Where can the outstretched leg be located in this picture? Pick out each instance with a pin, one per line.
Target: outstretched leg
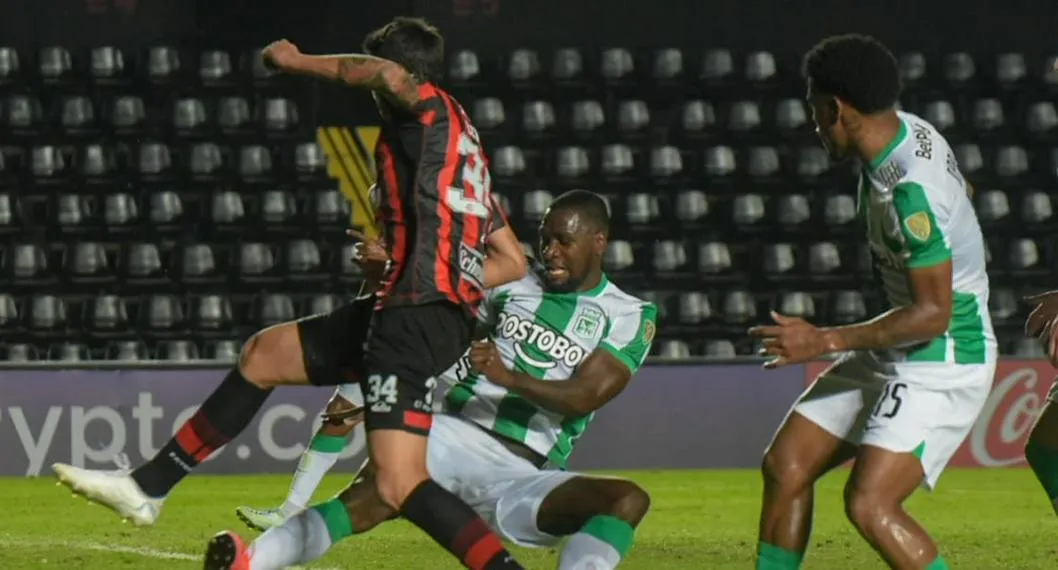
(1041, 451)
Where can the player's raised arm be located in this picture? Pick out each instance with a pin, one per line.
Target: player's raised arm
(599, 379)
(388, 78)
(504, 260)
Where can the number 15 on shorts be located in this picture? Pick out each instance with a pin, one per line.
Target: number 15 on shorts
(891, 400)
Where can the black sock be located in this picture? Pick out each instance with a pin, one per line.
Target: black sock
(456, 527)
(224, 414)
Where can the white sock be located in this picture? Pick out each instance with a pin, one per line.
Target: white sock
(317, 460)
(303, 538)
(599, 545)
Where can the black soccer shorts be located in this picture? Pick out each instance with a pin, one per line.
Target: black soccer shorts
(407, 347)
(333, 344)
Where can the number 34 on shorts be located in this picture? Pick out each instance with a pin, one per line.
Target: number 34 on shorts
(383, 394)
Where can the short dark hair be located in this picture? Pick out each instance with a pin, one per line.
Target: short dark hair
(857, 69)
(590, 205)
(413, 43)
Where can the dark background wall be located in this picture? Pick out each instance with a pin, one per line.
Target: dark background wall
(785, 27)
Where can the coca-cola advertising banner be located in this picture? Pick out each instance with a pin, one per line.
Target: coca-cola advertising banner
(695, 416)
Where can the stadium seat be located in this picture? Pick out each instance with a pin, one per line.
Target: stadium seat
(824, 258)
(206, 162)
(739, 307)
(668, 65)
(959, 68)
(1010, 68)
(848, 307)
(120, 211)
(488, 113)
(572, 162)
(9, 317)
(212, 312)
(18, 353)
(255, 261)
(215, 67)
(794, 210)
(10, 214)
(797, 304)
(717, 65)
(812, 162)
(163, 64)
(1041, 118)
(106, 65)
(309, 160)
(617, 160)
(694, 308)
(913, 67)
(255, 163)
(177, 351)
(127, 351)
(618, 256)
(198, 263)
(761, 67)
(162, 313)
(674, 349)
(273, 309)
(538, 117)
(23, 114)
(720, 161)
(992, 206)
(155, 162)
(1011, 161)
(165, 208)
(567, 65)
(143, 264)
(692, 206)
(55, 64)
(668, 256)
(127, 114)
(349, 271)
(1026, 348)
(223, 350)
(69, 352)
(233, 114)
(719, 349)
(642, 208)
(941, 114)
(320, 304)
(46, 313)
(763, 162)
(790, 115)
(330, 208)
(10, 65)
(587, 116)
(279, 115)
(988, 114)
(523, 66)
(189, 116)
(97, 164)
(744, 116)
(1036, 207)
(26, 263)
(303, 259)
(697, 117)
(78, 115)
(107, 314)
(713, 258)
(464, 66)
(87, 261)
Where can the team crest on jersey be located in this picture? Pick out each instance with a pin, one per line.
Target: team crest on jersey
(649, 330)
(918, 226)
(588, 322)
(537, 345)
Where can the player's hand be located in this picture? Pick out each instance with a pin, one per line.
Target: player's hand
(1042, 323)
(348, 417)
(792, 340)
(280, 54)
(485, 359)
(371, 255)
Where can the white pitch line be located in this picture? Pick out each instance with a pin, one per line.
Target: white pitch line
(10, 541)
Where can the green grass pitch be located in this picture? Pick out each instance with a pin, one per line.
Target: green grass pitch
(982, 520)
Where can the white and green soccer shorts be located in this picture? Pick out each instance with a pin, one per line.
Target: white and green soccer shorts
(503, 489)
(925, 408)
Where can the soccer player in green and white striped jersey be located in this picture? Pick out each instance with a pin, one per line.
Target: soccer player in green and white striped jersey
(566, 341)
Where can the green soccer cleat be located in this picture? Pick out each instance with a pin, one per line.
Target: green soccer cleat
(260, 519)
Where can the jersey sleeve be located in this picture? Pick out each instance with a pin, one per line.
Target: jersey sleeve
(630, 334)
(921, 222)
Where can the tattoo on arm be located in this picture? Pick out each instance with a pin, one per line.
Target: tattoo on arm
(380, 75)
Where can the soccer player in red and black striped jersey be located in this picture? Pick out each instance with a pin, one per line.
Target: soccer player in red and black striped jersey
(435, 208)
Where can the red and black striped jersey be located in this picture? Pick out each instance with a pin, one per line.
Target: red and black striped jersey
(435, 204)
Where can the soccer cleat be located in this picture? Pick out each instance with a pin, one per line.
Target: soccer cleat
(226, 551)
(113, 489)
(260, 519)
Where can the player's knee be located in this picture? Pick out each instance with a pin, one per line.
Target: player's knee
(864, 508)
(394, 486)
(272, 357)
(780, 470)
(366, 510)
(630, 503)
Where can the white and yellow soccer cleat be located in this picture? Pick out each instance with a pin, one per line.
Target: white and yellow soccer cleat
(260, 519)
(113, 489)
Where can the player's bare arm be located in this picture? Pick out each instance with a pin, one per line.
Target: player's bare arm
(356, 70)
(504, 260)
(599, 379)
(793, 340)
(1042, 323)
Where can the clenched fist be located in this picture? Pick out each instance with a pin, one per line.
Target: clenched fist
(279, 54)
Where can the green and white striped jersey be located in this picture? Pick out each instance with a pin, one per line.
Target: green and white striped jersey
(547, 336)
(918, 213)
